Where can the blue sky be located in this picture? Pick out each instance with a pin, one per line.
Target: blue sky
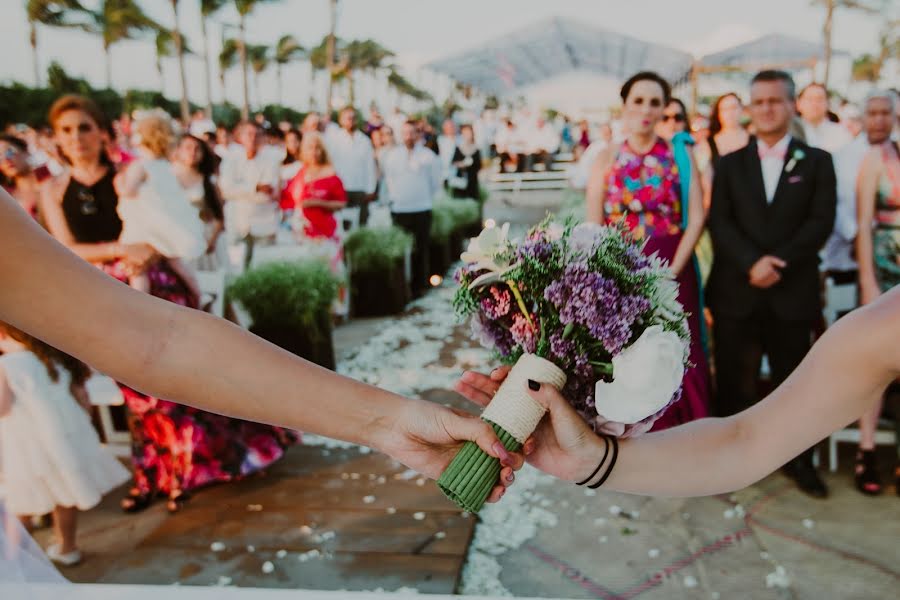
(418, 31)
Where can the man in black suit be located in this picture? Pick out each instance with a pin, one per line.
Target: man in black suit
(773, 206)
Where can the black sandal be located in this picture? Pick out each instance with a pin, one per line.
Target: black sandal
(176, 501)
(867, 480)
(135, 501)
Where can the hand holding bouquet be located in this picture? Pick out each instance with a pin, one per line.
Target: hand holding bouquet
(579, 307)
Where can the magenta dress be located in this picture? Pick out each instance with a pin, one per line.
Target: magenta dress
(643, 191)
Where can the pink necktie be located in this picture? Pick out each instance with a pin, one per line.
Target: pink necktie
(773, 152)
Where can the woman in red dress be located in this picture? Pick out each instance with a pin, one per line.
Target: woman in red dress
(316, 189)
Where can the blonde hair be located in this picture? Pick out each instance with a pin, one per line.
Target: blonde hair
(322, 157)
(155, 132)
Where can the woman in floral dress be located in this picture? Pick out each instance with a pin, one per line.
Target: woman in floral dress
(175, 448)
(638, 184)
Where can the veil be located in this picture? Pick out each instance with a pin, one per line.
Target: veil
(22, 562)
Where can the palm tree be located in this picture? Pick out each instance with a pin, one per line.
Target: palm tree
(830, 7)
(227, 59)
(118, 20)
(179, 52)
(286, 50)
(207, 8)
(244, 8)
(53, 13)
(259, 59)
(330, 49)
(165, 47)
(361, 56)
(405, 87)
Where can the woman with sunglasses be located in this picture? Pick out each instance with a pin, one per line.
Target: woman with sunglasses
(645, 186)
(174, 448)
(674, 120)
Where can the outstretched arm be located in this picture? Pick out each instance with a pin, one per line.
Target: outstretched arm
(173, 352)
(844, 374)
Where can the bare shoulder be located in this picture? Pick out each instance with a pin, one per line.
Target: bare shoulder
(54, 188)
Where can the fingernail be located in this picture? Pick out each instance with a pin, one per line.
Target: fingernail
(529, 448)
(501, 452)
(510, 478)
(494, 372)
(534, 385)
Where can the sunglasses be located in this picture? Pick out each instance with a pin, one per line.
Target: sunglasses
(88, 203)
(678, 118)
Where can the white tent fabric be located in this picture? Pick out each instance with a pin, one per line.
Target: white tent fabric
(552, 47)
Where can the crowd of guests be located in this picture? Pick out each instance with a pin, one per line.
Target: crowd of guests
(754, 212)
(152, 201)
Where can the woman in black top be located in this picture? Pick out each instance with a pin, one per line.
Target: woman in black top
(467, 160)
(175, 448)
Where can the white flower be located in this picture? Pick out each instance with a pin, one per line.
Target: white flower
(585, 237)
(555, 232)
(646, 376)
(796, 156)
(483, 252)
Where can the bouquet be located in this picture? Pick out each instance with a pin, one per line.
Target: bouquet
(579, 307)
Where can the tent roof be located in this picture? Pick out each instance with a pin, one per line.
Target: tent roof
(555, 46)
(772, 49)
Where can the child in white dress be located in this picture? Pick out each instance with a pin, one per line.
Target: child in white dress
(52, 459)
(153, 206)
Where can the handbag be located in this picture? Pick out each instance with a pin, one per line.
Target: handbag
(457, 181)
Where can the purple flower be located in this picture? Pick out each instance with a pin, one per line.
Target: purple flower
(537, 248)
(491, 334)
(590, 299)
(561, 349)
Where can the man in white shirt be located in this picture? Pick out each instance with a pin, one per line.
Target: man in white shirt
(838, 261)
(412, 176)
(250, 183)
(543, 142)
(447, 142)
(820, 132)
(201, 124)
(773, 208)
(354, 161)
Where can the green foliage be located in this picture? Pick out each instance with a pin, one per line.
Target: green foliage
(372, 249)
(275, 113)
(405, 87)
(442, 224)
(286, 294)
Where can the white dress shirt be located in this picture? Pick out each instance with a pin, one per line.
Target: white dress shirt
(828, 136)
(247, 210)
(772, 166)
(544, 138)
(412, 178)
(446, 149)
(838, 252)
(353, 158)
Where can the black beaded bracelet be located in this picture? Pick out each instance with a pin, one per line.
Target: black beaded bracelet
(612, 463)
(602, 460)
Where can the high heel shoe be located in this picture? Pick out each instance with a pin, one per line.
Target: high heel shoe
(867, 480)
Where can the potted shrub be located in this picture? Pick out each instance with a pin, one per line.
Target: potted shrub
(440, 255)
(376, 260)
(289, 304)
(466, 216)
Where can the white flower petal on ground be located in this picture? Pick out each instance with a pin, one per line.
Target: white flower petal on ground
(809, 523)
(217, 546)
(778, 579)
(646, 376)
(653, 553)
(268, 567)
(281, 553)
(419, 516)
(368, 499)
(690, 581)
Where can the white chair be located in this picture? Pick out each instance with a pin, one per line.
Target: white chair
(212, 288)
(839, 299)
(850, 435)
(348, 219)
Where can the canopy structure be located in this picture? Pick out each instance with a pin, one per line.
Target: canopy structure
(770, 51)
(557, 46)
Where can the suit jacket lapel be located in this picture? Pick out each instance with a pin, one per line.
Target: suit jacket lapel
(782, 180)
(753, 168)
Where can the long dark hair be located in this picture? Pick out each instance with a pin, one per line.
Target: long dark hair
(715, 123)
(207, 168)
(647, 76)
(52, 358)
(7, 182)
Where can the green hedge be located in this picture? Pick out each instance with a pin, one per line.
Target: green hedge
(374, 249)
(452, 215)
(291, 294)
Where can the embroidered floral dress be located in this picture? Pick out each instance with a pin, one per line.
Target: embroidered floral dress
(644, 192)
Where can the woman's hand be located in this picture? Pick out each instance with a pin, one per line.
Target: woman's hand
(426, 437)
(138, 257)
(562, 445)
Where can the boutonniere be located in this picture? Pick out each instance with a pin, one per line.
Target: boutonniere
(797, 156)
